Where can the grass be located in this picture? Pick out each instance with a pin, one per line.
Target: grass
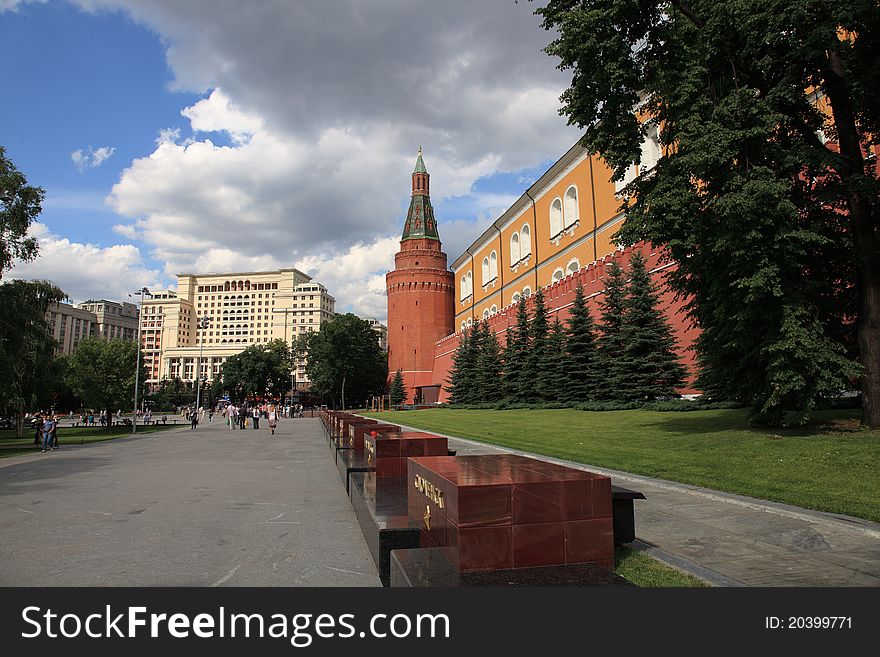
(646, 571)
(69, 436)
(829, 465)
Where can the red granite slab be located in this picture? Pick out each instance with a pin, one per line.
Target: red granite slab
(505, 511)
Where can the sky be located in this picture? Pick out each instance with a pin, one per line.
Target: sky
(218, 135)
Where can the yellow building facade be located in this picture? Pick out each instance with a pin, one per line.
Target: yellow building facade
(245, 308)
(563, 222)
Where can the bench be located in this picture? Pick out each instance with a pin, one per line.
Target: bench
(623, 513)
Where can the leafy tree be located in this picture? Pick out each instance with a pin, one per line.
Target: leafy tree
(610, 343)
(27, 350)
(462, 375)
(20, 204)
(775, 231)
(516, 384)
(581, 372)
(102, 373)
(650, 367)
(345, 360)
(258, 371)
(488, 365)
(398, 388)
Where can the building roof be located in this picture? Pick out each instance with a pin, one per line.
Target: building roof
(420, 163)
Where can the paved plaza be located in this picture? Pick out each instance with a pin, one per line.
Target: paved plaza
(209, 507)
(215, 507)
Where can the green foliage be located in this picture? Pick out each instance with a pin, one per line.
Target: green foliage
(462, 373)
(581, 367)
(610, 343)
(27, 350)
(517, 386)
(398, 390)
(260, 371)
(345, 362)
(488, 364)
(102, 373)
(649, 365)
(775, 233)
(540, 387)
(20, 204)
(553, 376)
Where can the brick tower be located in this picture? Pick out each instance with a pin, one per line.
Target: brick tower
(421, 292)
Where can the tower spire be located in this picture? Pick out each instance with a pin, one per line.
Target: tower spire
(420, 222)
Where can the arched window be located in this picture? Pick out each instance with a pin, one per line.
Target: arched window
(493, 266)
(486, 314)
(486, 275)
(470, 283)
(572, 213)
(493, 309)
(573, 266)
(470, 322)
(525, 241)
(527, 292)
(558, 275)
(555, 217)
(514, 249)
(515, 298)
(463, 294)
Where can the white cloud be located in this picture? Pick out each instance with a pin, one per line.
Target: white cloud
(91, 158)
(86, 271)
(302, 151)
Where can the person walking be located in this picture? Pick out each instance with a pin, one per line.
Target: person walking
(273, 419)
(256, 417)
(194, 419)
(242, 418)
(48, 426)
(211, 415)
(37, 423)
(54, 431)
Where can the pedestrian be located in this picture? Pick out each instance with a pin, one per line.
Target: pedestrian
(211, 414)
(273, 419)
(164, 418)
(242, 417)
(232, 419)
(54, 432)
(256, 417)
(194, 419)
(48, 427)
(37, 423)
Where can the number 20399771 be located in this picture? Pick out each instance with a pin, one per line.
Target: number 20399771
(808, 623)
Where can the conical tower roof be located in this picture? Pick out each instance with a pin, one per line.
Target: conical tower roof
(420, 222)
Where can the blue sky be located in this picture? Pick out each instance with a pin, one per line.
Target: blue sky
(216, 136)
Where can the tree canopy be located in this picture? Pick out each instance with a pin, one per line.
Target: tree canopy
(20, 204)
(766, 189)
(102, 373)
(345, 361)
(258, 371)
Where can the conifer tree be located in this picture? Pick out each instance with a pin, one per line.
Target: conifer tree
(553, 378)
(516, 385)
(488, 365)
(461, 374)
(610, 342)
(398, 389)
(581, 371)
(649, 365)
(538, 360)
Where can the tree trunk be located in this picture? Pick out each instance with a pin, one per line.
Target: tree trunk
(109, 416)
(343, 392)
(863, 231)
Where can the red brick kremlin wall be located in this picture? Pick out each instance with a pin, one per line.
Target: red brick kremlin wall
(559, 298)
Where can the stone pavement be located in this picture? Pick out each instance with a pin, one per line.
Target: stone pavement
(734, 540)
(209, 507)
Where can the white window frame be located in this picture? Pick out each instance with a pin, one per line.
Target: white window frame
(571, 210)
(514, 249)
(556, 217)
(525, 241)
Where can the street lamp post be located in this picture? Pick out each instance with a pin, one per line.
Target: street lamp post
(137, 370)
(203, 323)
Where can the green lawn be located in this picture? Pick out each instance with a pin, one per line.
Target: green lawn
(644, 570)
(69, 436)
(831, 465)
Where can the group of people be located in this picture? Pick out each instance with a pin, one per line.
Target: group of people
(238, 417)
(45, 431)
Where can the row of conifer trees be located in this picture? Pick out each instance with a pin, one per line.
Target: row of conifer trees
(628, 356)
